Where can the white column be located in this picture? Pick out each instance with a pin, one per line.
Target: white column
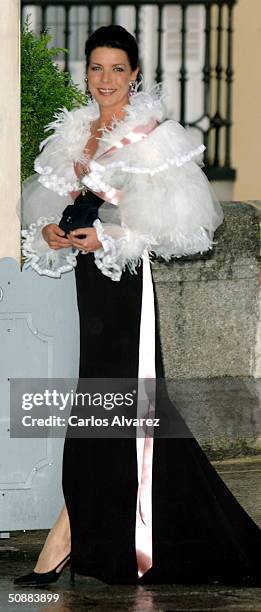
(9, 130)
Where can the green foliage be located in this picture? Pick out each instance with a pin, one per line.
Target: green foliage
(44, 90)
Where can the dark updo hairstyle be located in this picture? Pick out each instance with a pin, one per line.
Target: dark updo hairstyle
(115, 37)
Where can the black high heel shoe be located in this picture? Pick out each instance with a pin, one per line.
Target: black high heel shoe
(37, 579)
(72, 572)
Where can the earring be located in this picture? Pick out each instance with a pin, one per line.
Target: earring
(88, 93)
(132, 88)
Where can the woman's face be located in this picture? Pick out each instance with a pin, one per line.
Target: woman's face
(109, 74)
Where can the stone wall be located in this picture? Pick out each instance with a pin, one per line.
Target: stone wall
(210, 304)
(210, 324)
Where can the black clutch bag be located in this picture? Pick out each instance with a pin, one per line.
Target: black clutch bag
(82, 213)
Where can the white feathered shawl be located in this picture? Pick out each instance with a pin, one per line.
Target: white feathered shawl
(167, 205)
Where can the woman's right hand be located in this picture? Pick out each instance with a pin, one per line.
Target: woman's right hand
(55, 237)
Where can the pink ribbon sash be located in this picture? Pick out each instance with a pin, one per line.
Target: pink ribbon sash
(112, 195)
(146, 408)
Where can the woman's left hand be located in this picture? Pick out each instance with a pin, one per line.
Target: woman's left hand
(89, 243)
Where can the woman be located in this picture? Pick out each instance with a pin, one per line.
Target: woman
(154, 511)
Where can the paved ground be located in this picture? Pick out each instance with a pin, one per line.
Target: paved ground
(18, 553)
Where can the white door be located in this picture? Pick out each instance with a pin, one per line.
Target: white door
(39, 338)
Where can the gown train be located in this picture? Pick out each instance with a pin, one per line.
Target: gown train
(200, 532)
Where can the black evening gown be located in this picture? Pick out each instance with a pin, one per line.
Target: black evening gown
(201, 534)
